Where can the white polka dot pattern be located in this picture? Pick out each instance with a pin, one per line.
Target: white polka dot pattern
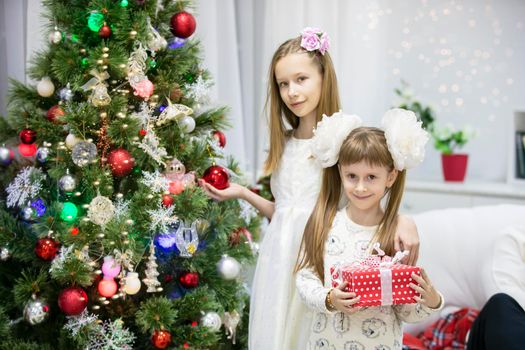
(366, 282)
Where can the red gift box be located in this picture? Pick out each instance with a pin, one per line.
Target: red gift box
(385, 283)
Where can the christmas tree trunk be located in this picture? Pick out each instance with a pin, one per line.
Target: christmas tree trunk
(106, 241)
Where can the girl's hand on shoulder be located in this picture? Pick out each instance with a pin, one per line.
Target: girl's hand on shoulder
(233, 191)
(429, 295)
(344, 301)
(407, 238)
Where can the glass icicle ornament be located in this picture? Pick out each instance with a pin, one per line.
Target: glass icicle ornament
(151, 272)
(187, 239)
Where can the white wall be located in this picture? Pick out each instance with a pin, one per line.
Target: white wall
(463, 57)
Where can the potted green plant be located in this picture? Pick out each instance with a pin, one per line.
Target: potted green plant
(447, 140)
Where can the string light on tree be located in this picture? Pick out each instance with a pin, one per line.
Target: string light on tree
(27, 150)
(131, 283)
(69, 212)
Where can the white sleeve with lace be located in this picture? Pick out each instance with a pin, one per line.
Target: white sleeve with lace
(413, 313)
(311, 289)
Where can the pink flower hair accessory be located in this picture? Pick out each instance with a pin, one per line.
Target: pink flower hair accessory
(315, 39)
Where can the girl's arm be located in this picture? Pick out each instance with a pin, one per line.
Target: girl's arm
(236, 191)
(407, 238)
(320, 298)
(311, 290)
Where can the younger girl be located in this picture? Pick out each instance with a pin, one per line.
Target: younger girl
(302, 87)
(367, 165)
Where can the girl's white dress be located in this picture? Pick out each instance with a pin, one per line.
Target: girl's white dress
(278, 318)
(378, 327)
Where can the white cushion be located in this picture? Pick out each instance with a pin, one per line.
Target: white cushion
(456, 246)
(507, 266)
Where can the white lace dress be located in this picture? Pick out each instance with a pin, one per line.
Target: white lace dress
(278, 318)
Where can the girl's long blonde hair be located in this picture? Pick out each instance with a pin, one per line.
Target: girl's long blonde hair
(362, 144)
(328, 103)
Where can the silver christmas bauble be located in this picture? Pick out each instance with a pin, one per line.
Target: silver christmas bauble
(55, 37)
(5, 253)
(28, 213)
(228, 268)
(187, 124)
(83, 153)
(212, 321)
(65, 93)
(42, 153)
(36, 311)
(67, 183)
(6, 155)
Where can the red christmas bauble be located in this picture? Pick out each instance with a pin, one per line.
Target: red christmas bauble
(27, 136)
(54, 113)
(189, 279)
(121, 162)
(183, 24)
(220, 137)
(27, 150)
(167, 200)
(161, 339)
(46, 248)
(72, 301)
(217, 176)
(142, 132)
(104, 31)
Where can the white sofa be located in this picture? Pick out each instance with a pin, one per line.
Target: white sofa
(473, 253)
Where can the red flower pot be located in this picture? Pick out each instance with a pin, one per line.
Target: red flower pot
(454, 166)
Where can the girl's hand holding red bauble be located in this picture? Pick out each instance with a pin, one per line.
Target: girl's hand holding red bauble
(234, 191)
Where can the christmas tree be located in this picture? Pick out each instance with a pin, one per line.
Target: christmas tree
(106, 242)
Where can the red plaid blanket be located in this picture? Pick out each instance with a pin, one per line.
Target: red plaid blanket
(447, 333)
